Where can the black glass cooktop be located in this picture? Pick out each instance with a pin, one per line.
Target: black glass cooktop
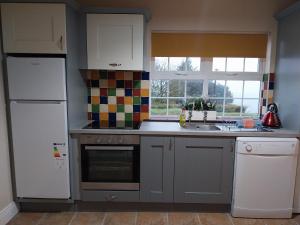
(113, 125)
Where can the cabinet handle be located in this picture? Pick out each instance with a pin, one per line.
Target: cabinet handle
(115, 64)
(201, 147)
(170, 145)
(157, 146)
(111, 197)
(61, 43)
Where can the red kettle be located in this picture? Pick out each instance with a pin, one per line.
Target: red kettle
(271, 119)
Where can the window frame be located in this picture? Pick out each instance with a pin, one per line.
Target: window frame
(206, 73)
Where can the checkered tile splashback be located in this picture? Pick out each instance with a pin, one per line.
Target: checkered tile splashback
(267, 92)
(118, 96)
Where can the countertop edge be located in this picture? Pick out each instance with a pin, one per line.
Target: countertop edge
(196, 133)
(173, 129)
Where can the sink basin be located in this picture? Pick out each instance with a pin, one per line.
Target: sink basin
(201, 127)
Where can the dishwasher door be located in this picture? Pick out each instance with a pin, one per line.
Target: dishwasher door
(264, 180)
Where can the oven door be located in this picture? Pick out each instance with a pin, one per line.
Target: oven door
(110, 167)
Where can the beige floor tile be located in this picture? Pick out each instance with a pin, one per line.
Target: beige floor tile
(246, 221)
(88, 218)
(183, 218)
(120, 218)
(62, 218)
(214, 219)
(279, 222)
(26, 219)
(151, 218)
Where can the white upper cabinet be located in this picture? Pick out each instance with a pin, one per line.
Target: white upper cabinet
(34, 28)
(115, 41)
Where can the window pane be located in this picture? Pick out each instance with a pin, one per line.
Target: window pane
(194, 88)
(232, 107)
(158, 106)
(250, 107)
(177, 63)
(176, 88)
(161, 63)
(175, 106)
(219, 106)
(193, 63)
(159, 88)
(216, 88)
(251, 89)
(234, 89)
(251, 64)
(235, 64)
(219, 64)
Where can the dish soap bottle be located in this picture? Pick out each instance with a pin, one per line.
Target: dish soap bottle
(182, 119)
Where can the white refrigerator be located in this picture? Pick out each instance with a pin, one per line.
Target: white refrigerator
(37, 94)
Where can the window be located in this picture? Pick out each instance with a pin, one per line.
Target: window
(233, 83)
(168, 96)
(177, 64)
(235, 64)
(235, 97)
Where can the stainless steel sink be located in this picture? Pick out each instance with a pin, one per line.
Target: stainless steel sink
(201, 127)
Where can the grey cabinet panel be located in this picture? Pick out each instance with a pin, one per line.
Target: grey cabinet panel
(203, 170)
(157, 169)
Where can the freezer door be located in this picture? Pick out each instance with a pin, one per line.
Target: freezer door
(40, 149)
(36, 78)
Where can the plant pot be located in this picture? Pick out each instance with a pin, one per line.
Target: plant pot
(198, 115)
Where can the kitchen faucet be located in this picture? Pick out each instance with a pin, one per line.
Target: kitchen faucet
(191, 111)
(204, 117)
(190, 115)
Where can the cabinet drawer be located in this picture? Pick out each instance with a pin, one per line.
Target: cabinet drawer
(110, 196)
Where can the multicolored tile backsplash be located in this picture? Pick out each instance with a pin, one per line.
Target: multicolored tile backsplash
(118, 96)
(267, 92)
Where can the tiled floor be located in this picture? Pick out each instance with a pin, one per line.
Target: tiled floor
(142, 218)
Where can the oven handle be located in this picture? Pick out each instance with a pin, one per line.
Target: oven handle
(106, 148)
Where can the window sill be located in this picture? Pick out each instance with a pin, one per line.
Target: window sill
(176, 119)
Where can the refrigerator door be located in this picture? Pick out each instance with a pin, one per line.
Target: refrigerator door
(36, 78)
(40, 149)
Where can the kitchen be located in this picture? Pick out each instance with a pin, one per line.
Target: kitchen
(130, 67)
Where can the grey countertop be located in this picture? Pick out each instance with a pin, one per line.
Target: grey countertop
(173, 129)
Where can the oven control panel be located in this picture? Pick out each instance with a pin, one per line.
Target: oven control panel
(110, 139)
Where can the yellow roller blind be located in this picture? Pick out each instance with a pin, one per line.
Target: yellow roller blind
(209, 45)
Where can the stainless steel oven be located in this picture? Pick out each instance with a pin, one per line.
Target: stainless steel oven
(110, 162)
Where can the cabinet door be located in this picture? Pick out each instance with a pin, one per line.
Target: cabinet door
(115, 41)
(203, 170)
(34, 28)
(157, 166)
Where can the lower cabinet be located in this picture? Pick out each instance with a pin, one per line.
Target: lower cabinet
(203, 170)
(186, 170)
(157, 169)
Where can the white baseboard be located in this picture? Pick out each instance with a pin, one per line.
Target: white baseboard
(296, 210)
(8, 213)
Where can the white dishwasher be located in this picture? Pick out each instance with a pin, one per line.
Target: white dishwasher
(264, 177)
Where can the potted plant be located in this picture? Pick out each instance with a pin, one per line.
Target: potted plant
(198, 106)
